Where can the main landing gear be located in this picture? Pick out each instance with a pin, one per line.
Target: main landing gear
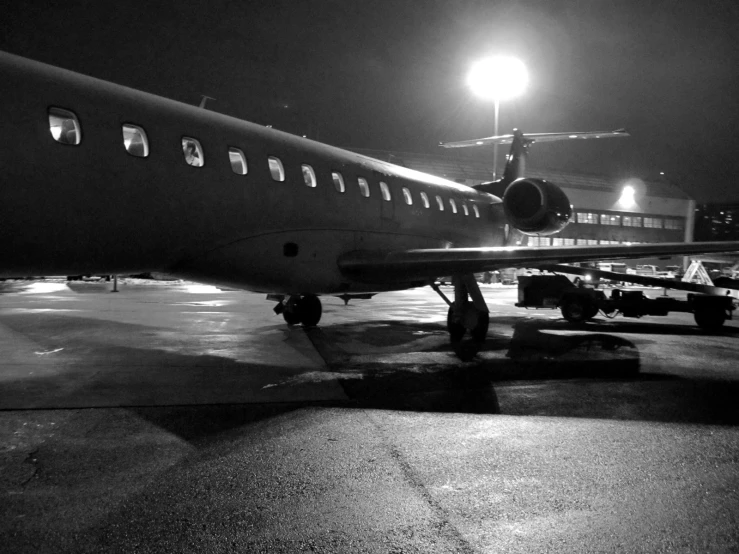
(468, 312)
(296, 309)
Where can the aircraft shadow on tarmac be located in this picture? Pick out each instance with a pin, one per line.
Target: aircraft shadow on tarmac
(549, 366)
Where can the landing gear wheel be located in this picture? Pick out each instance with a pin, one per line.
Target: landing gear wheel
(710, 318)
(310, 310)
(292, 311)
(576, 310)
(455, 328)
(477, 322)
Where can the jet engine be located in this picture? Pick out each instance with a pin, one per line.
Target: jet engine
(536, 206)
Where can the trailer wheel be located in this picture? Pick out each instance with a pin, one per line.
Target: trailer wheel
(709, 318)
(576, 309)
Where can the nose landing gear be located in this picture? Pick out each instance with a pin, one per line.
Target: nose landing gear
(296, 309)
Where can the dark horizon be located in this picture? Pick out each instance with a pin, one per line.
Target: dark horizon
(391, 76)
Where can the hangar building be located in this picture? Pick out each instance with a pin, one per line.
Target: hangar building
(606, 211)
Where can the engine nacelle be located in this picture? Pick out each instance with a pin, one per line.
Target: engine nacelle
(536, 206)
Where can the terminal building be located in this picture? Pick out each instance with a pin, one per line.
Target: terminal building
(605, 211)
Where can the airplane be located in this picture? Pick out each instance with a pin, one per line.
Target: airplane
(99, 178)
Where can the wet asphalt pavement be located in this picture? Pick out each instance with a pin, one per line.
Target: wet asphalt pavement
(175, 418)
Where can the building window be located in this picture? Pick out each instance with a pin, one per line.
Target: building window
(338, 181)
(407, 196)
(608, 219)
(425, 199)
(568, 242)
(238, 161)
(474, 209)
(632, 221)
(134, 141)
(440, 203)
(673, 223)
(193, 152)
(385, 190)
(64, 126)
(653, 222)
(587, 217)
(453, 205)
(363, 187)
(538, 241)
(309, 176)
(276, 169)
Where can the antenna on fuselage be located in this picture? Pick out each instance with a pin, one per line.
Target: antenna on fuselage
(203, 100)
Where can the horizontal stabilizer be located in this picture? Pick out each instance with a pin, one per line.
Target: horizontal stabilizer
(535, 137)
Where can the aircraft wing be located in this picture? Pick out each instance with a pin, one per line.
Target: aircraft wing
(535, 137)
(382, 266)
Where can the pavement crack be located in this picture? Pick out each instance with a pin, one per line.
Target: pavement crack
(31, 459)
(446, 528)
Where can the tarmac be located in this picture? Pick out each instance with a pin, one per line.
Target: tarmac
(175, 417)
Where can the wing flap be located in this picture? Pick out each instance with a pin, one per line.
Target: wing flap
(384, 266)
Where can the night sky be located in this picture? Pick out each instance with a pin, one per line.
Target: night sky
(391, 74)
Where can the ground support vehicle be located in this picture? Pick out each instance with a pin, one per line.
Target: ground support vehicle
(581, 302)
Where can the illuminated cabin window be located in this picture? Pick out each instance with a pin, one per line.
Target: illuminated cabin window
(440, 203)
(64, 126)
(476, 210)
(238, 161)
(407, 196)
(363, 186)
(135, 141)
(425, 199)
(309, 176)
(193, 152)
(453, 205)
(385, 192)
(338, 181)
(465, 209)
(276, 169)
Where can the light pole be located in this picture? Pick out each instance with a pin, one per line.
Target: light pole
(497, 78)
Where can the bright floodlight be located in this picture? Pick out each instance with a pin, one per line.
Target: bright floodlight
(498, 78)
(627, 196)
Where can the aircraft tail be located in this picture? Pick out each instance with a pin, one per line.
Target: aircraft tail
(516, 159)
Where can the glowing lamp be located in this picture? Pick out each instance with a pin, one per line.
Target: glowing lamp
(498, 78)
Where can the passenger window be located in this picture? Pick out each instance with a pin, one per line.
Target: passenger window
(425, 199)
(385, 191)
(64, 126)
(440, 203)
(453, 205)
(309, 176)
(474, 209)
(465, 210)
(193, 152)
(135, 141)
(407, 196)
(238, 161)
(338, 181)
(276, 169)
(363, 187)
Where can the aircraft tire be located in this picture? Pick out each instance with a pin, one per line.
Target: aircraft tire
(455, 328)
(293, 312)
(310, 310)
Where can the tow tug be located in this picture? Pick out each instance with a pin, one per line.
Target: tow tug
(710, 305)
